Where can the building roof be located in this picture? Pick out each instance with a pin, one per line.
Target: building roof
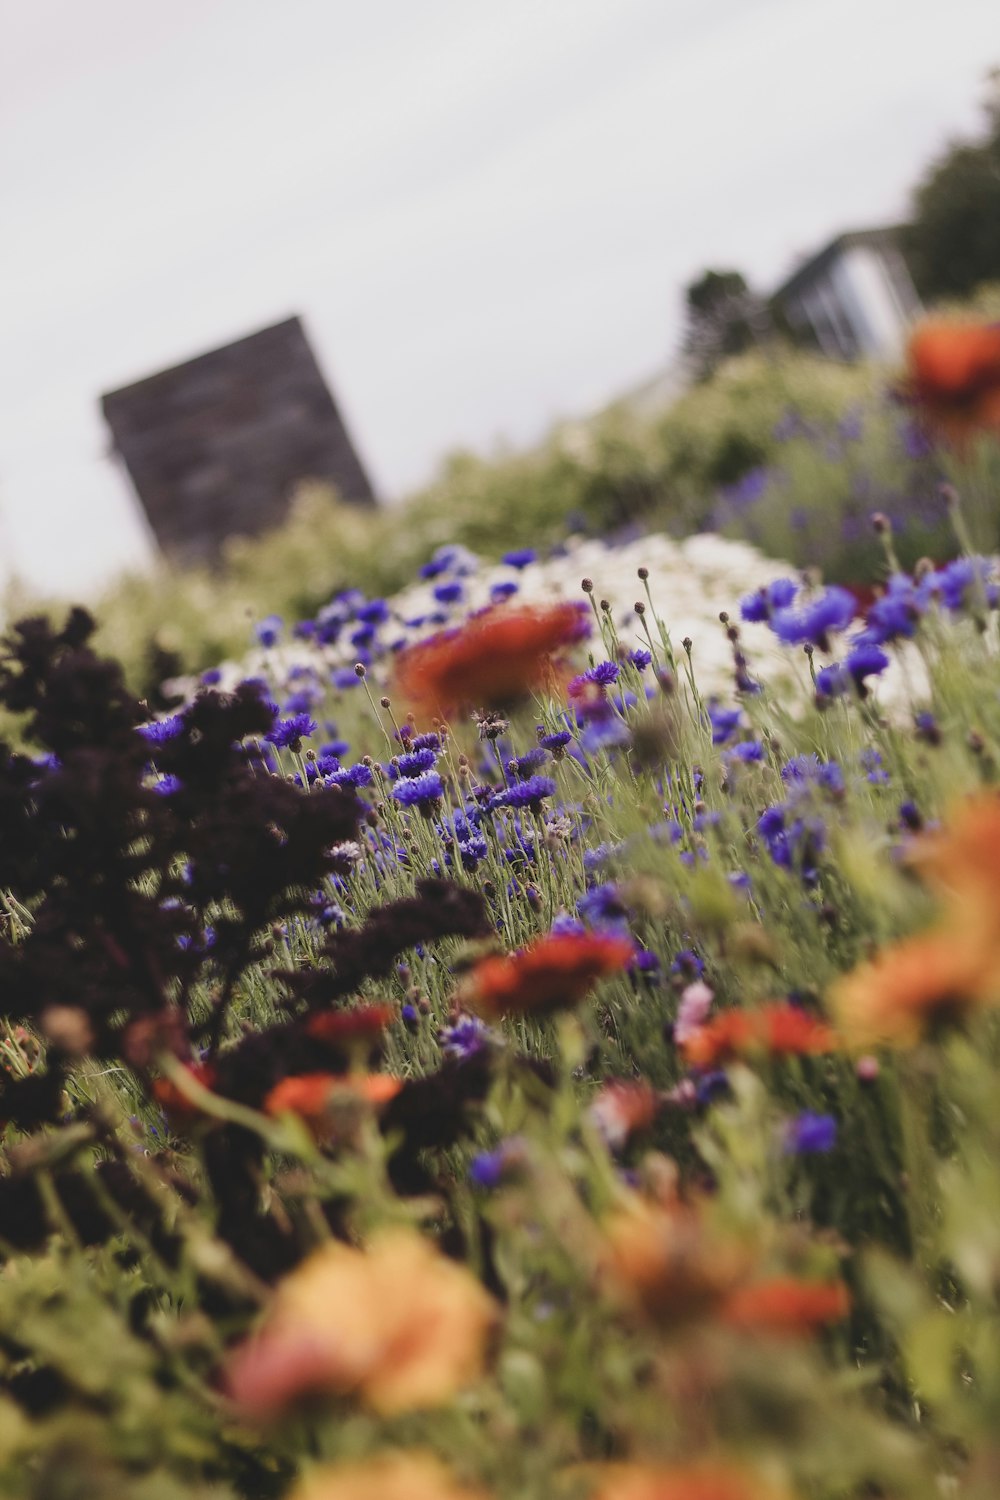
(887, 237)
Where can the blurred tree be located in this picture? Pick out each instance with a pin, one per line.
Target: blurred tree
(953, 243)
(724, 317)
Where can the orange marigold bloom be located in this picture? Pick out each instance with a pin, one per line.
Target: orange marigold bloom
(778, 1029)
(954, 376)
(921, 982)
(786, 1307)
(313, 1096)
(707, 1481)
(623, 1106)
(961, 862)
(399, 1326)
(553, 973)
(392, 1476)
(493, 659)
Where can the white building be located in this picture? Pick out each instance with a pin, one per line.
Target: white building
(855, 298)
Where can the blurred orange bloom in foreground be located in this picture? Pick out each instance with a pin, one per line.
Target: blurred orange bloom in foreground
(778, 1029)
(954, 376)
(315, 1096)
(787, 1306)
(398, 1325)
(961, 863)
(706, 1481)
(664, 1260)
(493, 659)
(922, 982)
(553, 973)
(394, 1476)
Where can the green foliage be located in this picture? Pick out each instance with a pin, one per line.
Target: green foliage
(953, 242)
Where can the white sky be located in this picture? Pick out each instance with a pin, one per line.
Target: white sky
(484, 212)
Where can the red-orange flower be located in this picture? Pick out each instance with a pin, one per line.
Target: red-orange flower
(553, 973)
(314, 1096)
(954, 376)
(919, 983)
(365, 1023)
(623, 1106)
(178, 1108)
(493, 659)
(786, 1307)
(777, 1029)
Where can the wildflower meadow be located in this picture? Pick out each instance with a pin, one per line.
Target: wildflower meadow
(488, 1043)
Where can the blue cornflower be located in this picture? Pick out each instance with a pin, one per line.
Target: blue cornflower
(452, 592)
(956, 582)
(167, 785)
(526, 793)
(811, 623)
(489, 1168)
(760, 606)
(746, 751)
(563, 925)
(809, 770)
(465, 1038)
(640, 658)
(268, 630)
(556, 743)
(687, 964)
(810, 1133)
(373, 612)
(871, 764)
(334, 749)
(724, 722)
(344, 677)
(362, 636)
(211, 677)
(412, 764)
(353, 776)
(605, 673)
(522, 766)
(865, 660)
(428, 741)
(895, 615)
(288, 733)
(520, 557)
(162, 730)
(602, 733)
(301, 701)
(602, 907)
(504, 590)
(424, 791)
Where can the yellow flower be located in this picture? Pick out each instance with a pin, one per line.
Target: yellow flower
(398, 1325)
(396, 1476)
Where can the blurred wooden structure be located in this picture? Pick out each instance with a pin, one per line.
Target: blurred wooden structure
(216, 446)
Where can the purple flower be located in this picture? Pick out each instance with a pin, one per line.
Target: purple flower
(520, 557)
(524, 765)
(268, 631)
(811, 623)
(602, 907)
(452, 592)
(605, 673)
(162, 730)
(211, 677)
(556, 743)
(354, 776)
(289, 733)
(746, 751)
(344, 677)
(489, 1168)
(374, 612)
(423, 791)
(640, 658)
(465, 1038)
(526, 793)
(724, 722)
(505, 590)
(167, 785)
(810, 1133)
(413, 763)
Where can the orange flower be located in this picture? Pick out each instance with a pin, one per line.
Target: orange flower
(778, 1029)
(176, 1105)
(553, 973)
(393, 1476)
(398, 1325)
(786, 1307)
(708, 1481)
(665, 1262)
(315, 1096)
(961, 862)
(365, 1023)
(954, 376)
(922, 982)
(493, 659)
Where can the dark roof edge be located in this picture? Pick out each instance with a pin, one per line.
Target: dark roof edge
(888, 233)
(197, 359)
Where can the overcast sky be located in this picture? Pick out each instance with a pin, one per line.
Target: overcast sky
(484, 212)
